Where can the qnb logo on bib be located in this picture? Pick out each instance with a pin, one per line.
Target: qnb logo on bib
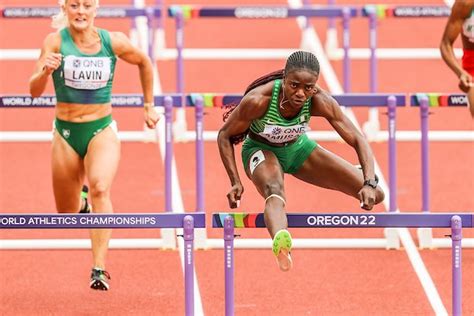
(283, 134)
(88, 73)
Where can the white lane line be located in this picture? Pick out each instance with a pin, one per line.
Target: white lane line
(405, 237)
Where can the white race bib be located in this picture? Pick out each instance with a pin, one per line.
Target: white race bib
(282, 134)
(87, 73)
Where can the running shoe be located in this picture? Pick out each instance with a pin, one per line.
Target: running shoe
(282, 249)
(86, 207)
(99, 280)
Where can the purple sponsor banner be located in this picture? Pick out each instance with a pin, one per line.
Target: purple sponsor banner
(348, 99)
(136, 100)
(272, 12)
(117, 100)
(57, 221)
(421, 11)
(315, 220)
(102, 12)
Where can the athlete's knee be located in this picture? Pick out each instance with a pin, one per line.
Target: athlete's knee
(273, 187)
(100, 189)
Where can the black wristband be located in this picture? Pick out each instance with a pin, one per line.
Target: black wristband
(371, 183)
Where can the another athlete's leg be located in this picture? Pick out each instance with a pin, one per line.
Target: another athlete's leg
(68, 176)
(327, 170)
(101, 163)
(265, 172)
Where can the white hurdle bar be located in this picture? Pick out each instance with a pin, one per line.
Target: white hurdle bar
(211, 136)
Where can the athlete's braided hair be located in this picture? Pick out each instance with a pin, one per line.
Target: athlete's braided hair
(296, 61)
(302, 60)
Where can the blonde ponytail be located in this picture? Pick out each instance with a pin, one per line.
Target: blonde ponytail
(60, 20)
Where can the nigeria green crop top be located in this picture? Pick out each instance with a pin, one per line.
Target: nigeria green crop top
(277, 129)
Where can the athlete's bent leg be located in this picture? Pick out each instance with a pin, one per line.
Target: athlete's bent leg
(267, 177)
(266, 173)
(327, 170)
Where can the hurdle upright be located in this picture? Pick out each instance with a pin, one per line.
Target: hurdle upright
(456, 221)
(425, 101)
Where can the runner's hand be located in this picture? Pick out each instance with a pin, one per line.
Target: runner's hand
(52, 62)
(465, 82)
(367, 197)
(151, 116)
(235, 195)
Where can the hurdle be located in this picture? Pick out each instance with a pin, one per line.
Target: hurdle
(179, 13)
(376, 13)
(188, 222)
(245, 12)
(391, 101)
(456, 221)
(47, 12)
(425, 102)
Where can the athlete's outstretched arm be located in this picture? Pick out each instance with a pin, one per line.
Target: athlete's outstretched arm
(239, 121)
(125, 50)
(326, 106)
(49, 61)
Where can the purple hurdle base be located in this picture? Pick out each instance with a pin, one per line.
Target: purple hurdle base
(229, 221)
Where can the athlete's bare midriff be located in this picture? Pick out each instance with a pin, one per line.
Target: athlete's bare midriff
(74, 112)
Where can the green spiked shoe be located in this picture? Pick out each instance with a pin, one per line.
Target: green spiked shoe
(282, 249)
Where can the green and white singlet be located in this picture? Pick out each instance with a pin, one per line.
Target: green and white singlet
(275, 128)
(84, 78)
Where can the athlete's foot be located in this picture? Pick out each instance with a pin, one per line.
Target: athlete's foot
(282, 244)
(99, 280)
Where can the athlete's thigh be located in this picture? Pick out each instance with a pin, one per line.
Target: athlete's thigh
(327, 170)
(102, 158)
(265, 172)
(68, 175)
